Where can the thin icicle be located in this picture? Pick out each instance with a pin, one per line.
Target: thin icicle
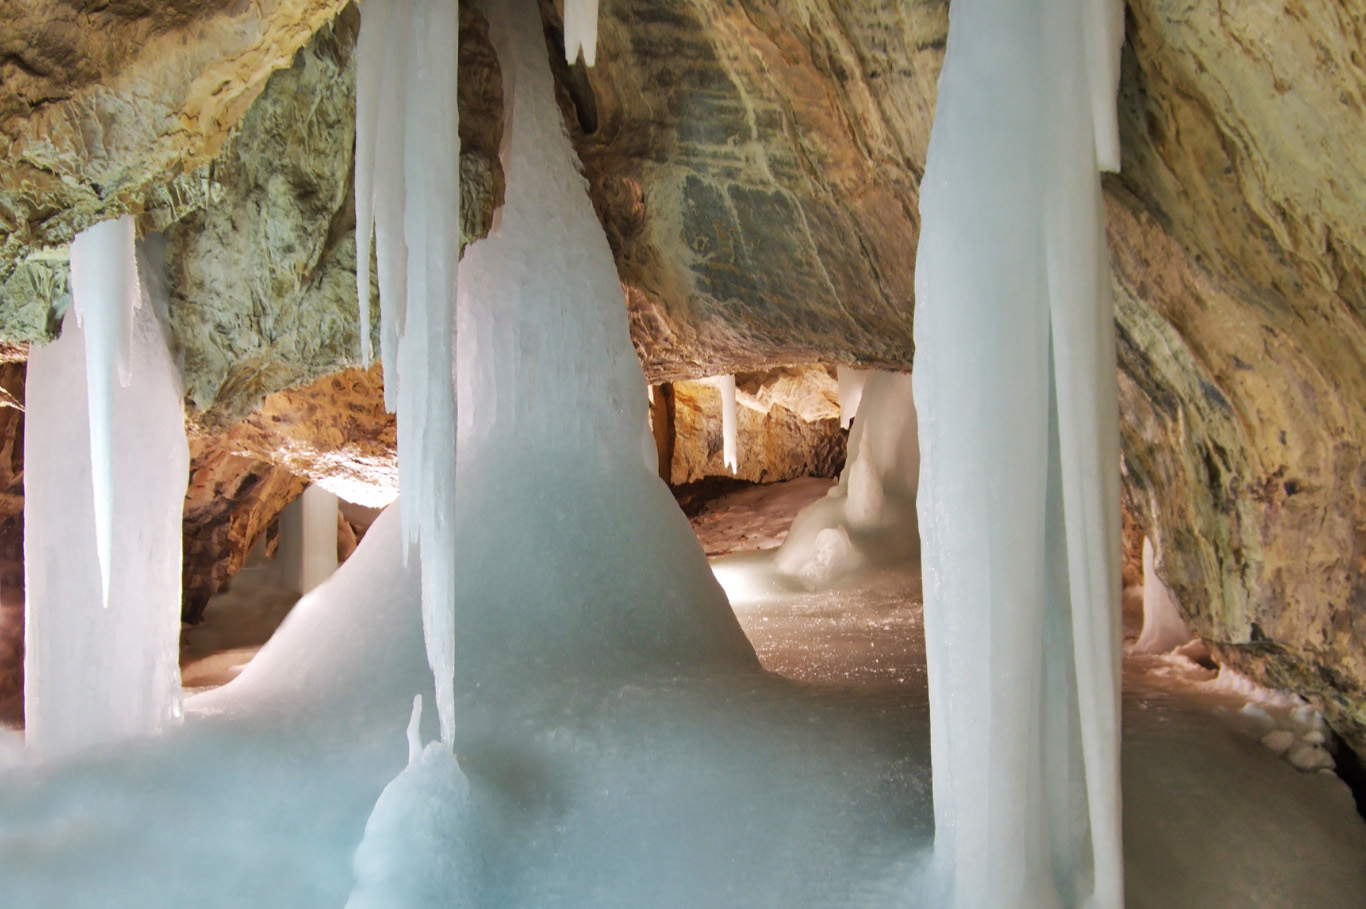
(728, 424)
(371, 47)
(416, 207)
(105, 294)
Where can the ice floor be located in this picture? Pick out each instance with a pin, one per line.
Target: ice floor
(809, 787)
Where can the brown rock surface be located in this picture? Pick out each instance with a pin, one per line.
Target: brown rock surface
(787, 426)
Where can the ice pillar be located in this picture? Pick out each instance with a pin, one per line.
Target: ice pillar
(408, 180)
(308, 539)
(95, 674)
(851, 391)
(1018, 499)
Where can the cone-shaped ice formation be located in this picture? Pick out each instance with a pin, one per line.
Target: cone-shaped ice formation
(1018, 501)
(729, 428)
(105, 294)
(1163, 628)
(581, 30)
(96, 675)
(407, 177)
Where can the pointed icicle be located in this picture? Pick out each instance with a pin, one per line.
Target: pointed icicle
(728, 424)
(371, 47)
(414, 181)
(105, 294)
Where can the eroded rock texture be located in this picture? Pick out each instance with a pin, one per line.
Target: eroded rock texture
(756, 169)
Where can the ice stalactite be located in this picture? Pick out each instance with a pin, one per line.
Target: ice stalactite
(581, 31)
(97, 675)
(1163, 628)
(407, 180)
(850, 391)
(105, 295)
(1015, 387)
(729, 425)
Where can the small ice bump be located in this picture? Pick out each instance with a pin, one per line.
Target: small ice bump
(1304, 756)
(1253, 712)
(1279, 741)
(1314, 737)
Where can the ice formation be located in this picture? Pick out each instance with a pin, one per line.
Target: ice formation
(1016, 391)
(1163, 628)
(869, 517)
(581, 31)
(308, 539)
(729, 424)
(851, 391)
(407, 180)
(97, 675)
(105, 296)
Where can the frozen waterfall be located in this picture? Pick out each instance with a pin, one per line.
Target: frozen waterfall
(1163, 627)
(1019, 493)
(407, 181)
(109, 466)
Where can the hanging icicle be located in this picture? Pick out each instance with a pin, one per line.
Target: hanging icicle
(407, 179)
(581, 31)
(729, 429)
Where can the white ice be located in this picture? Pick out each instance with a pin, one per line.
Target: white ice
(851, 391)
(105, 294)
(308, 539)
(729, 424)
(581, 30)
(1016, 391)
(408, 153)
(1163, 628)
(97, 675)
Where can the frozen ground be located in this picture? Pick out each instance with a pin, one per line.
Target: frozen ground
(683, 788)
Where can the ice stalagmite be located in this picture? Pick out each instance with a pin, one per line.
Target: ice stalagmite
(729, 428)
(105, 294)
(1163, 628)
(97, 675)
(407, 177)
(581, 30)
(1018, 499)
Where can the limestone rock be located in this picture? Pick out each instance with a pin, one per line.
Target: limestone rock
(787, 427)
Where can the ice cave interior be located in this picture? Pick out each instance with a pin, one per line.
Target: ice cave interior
(682, 453)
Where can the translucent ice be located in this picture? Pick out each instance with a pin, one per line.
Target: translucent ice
(308, 539)
(407, 166)
(97, 675)
(105, 295)
(729, 424)
(1015, 387)
(1163, 628)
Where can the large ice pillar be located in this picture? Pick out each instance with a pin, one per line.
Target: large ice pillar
(308, 539)
(581, 31)
(96, 675)
(1018, 500)
(407, 178)
(1163, 627)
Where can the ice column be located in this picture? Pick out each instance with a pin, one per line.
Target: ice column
(407, 181)
(729, 429)
(105, 294)
(1163, 628)
(97, 675)
(308, 539)
(1018, 498)
(581, 30)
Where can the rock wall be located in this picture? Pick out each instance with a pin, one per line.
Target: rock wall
(787, 426)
